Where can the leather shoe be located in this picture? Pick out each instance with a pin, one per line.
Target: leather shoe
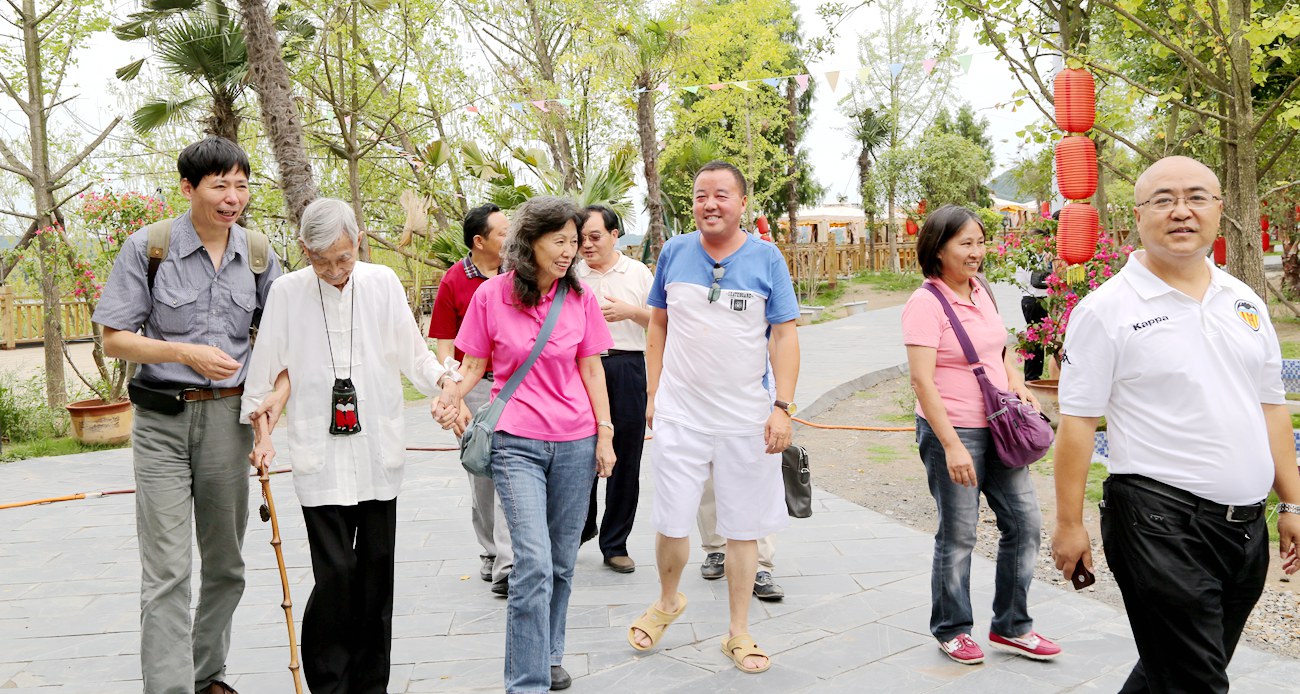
(622, 564)
(714, 566)
(767, 589)
(560, 678)
(501, 587)
(219, 687)
(485, 570)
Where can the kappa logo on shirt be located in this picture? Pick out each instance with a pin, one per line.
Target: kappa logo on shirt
(1149, 322)
(1248, 313)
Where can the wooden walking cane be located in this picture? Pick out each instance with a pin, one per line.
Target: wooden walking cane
(267, 512)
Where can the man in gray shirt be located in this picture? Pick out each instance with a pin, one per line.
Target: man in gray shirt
(196, 308)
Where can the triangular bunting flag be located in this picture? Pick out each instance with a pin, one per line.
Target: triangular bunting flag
(833, 78)
(743, 85)
(717, 85)
(772, 81)
(895, 69)
(541, 106)
(928, 65)
(639, 91)
(693, 89)
(802, 80)
(517, 106)
(663, 87)
(472, 109)
(964, 61)
(564, 102)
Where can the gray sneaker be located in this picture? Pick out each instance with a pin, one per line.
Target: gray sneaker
(713, 567)
(765, 588)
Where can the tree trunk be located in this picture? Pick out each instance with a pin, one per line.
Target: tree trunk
(891, 234)
(223, 120)
(546, 70)
(646, 132)
(1245, 255)
(1100, 199)
(270, 78)
(358, 205)
(791, 150)
(43, 188)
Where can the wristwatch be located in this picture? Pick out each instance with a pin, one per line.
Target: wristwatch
(788, 407)
(1284, 507)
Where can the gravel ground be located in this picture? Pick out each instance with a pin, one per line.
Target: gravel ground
(881, 471)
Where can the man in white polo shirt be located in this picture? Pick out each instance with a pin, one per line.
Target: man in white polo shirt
(621, 285)
(1182, 361)
(718, 296)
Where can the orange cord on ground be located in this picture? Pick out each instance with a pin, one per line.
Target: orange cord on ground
(850, 428)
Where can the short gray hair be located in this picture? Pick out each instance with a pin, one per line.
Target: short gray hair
(324, 221)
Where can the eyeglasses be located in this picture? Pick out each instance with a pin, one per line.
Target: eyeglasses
(1195, 201)
(715, 290)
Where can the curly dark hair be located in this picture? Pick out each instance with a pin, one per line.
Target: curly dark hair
(532, 220)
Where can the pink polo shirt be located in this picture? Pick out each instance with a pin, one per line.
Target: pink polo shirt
(551, 403)
(925, 324)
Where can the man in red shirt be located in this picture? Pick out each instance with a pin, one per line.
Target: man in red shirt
(485, 230)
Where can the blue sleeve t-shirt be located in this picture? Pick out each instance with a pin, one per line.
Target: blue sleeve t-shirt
(715, 376)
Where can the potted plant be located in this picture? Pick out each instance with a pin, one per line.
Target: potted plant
(1065, 288)
(110, 218)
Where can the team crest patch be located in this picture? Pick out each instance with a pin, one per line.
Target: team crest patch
(1248, 313)
(739, 304)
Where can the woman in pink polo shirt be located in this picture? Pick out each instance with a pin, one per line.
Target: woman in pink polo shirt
(554, 431)
(956, 447)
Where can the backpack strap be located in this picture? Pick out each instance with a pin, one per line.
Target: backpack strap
(259, 251)
(160, 238)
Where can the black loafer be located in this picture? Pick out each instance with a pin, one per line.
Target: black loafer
(765, 588)
(560, 678)
(501, 587)
(714, 566)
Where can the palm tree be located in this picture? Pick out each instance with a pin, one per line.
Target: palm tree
(870, 131)
(270, 77)
(647, 49)
(201, 43)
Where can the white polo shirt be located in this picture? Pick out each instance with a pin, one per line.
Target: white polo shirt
(629, 280)
(1179, 382)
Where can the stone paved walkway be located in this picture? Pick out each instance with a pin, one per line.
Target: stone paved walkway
(854, 619)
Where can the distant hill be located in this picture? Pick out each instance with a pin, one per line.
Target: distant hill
(631, 240)
(1004, 186)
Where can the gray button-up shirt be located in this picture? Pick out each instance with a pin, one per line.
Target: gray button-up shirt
(191, 302)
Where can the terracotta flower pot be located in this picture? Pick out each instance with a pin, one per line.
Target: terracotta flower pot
(1045, 391)
(97, 422)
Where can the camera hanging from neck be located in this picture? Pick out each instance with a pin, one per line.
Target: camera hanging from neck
(345, 420)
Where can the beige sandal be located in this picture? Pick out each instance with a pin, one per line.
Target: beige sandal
(654, 623)
(742, 646)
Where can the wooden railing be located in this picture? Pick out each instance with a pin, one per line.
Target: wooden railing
(22, 319)
(826, 262)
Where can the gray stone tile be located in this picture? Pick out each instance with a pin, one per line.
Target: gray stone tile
(852, 649)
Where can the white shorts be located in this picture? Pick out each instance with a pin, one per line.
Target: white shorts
(746, 482)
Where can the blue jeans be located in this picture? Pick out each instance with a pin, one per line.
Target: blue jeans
(544, 488)
(1010, 493)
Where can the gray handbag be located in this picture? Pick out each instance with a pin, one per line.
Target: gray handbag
(798, 481)
(476, 442)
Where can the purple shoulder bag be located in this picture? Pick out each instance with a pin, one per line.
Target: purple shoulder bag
(1021, 434)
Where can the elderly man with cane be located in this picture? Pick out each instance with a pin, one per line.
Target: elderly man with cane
(343, 332)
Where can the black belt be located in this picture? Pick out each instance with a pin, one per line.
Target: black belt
(619, 352)
(1233, 514)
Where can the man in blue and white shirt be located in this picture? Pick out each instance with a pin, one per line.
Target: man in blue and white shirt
(718, 300)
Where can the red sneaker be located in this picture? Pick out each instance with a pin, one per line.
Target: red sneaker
(963, 649)
(1034, 646)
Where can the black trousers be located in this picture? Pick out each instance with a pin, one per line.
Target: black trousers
(1189, 578)
(1032, 309)
(347, 628)
(625, 381)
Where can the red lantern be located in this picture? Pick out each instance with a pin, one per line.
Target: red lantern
(920, 208)
(1076, 167)
(1220, 251)
(1267, 243)
(1263, 222)
(1076, 234)
(1075, 95)
(911, 227)
(1297, 214)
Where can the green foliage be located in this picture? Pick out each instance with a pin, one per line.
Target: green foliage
(951, 169)
(890, 281)
(24, 416)
(49, 448)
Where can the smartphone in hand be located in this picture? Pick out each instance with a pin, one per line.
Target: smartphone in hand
(1081, 577)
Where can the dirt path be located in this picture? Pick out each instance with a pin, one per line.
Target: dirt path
(882, 471)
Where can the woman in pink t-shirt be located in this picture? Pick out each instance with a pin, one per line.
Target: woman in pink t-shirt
(957, 449)
(553, 433)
